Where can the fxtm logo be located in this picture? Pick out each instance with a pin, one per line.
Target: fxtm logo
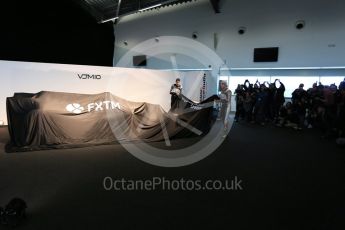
(196, 107)
(89, 76)
(95, 106)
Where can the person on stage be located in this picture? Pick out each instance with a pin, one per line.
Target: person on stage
(176, 94)
(225, 99)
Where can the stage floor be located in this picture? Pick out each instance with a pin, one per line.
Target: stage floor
(291, 180)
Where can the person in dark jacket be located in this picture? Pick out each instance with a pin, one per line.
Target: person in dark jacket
(299, 102)
(278, 97)
(239, 102)
(176, 93)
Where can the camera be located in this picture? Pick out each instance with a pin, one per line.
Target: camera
(14, 212)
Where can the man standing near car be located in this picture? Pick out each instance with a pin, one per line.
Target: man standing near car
(176, 94)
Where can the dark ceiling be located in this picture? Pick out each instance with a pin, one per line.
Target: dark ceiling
(103, 10)
(55, 32)
(65, 31)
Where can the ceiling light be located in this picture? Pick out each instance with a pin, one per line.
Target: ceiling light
(111, 19)
(150, 7)
(242, 30)
(287, 68)
(195, 35)
(300, 24)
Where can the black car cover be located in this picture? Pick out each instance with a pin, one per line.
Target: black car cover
(48, 120)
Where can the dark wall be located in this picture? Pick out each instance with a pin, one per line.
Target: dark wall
(53, 31)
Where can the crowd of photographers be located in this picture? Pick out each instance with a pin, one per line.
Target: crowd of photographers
(321, 106)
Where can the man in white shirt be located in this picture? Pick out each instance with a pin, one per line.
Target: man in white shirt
(225, 98)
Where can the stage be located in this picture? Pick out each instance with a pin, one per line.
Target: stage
(283, 185)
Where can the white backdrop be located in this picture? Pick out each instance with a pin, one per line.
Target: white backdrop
(140, 85)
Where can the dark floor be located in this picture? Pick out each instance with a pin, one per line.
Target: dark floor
(291, 180)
